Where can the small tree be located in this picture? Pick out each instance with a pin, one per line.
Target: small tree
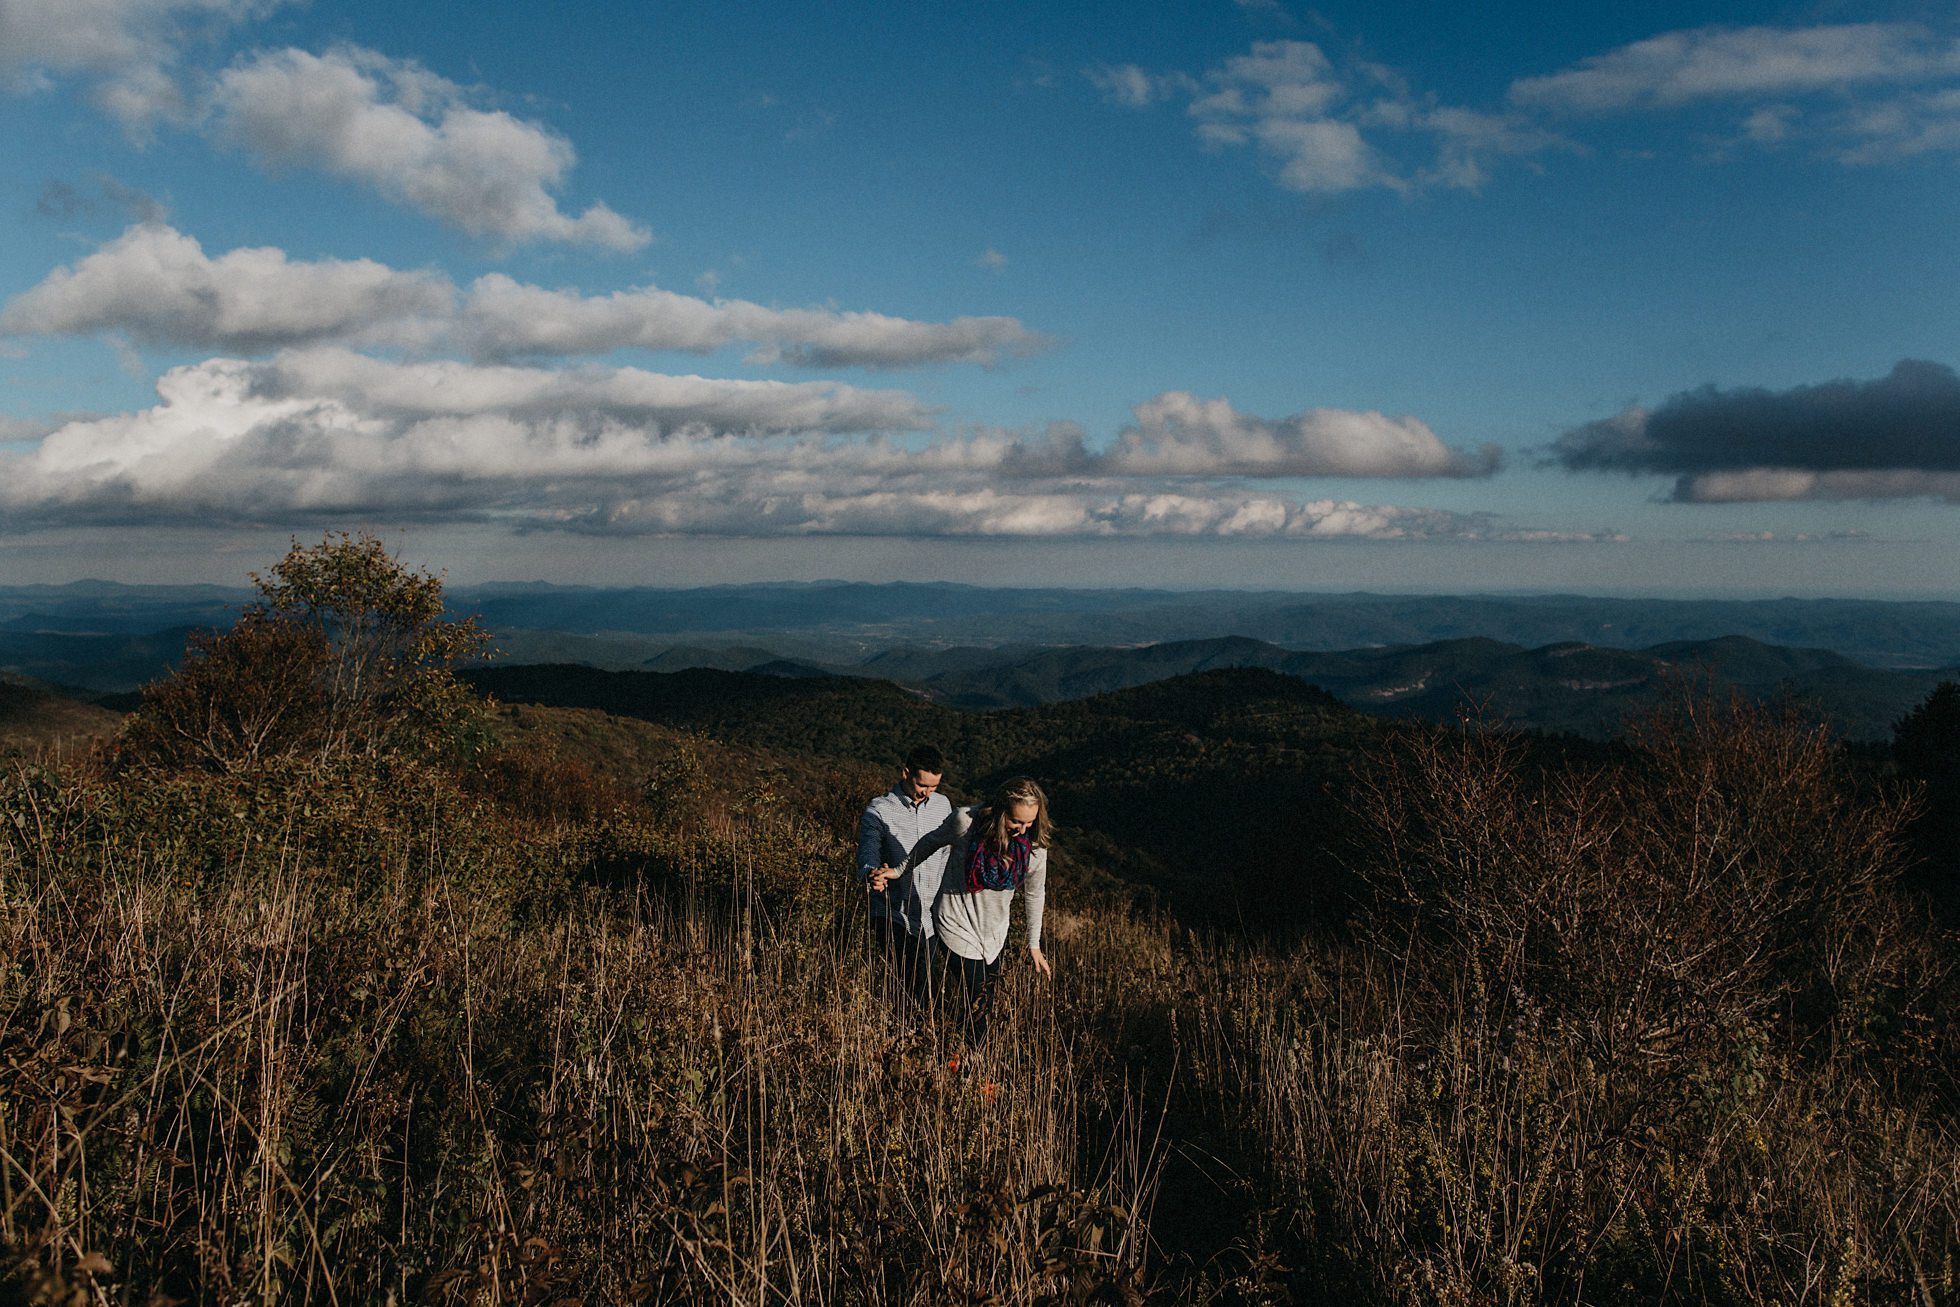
(346, 651)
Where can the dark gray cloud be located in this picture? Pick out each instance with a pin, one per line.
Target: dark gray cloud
(1895, 437)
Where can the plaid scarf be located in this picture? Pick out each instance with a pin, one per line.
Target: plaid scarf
(986, 869)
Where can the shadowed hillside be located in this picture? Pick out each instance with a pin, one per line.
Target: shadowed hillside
(1209, 789)
(1580, 688)
(35, 716)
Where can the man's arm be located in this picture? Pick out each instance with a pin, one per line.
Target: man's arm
(934, 840)
(871, 843)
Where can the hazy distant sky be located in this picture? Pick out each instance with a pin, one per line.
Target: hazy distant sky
(1650, 299)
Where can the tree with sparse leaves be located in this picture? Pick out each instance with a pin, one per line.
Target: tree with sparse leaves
(345, 652)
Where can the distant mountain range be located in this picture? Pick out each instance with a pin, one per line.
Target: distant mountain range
(1558, 662)
(840, 623)
(1574, 688)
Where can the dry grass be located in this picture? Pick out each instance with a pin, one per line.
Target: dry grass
(267, 1085)
(1659, 1031)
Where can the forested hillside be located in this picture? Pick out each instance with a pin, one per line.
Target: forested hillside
(1209, 792)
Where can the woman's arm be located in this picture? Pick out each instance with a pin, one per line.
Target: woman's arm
(1034, 898)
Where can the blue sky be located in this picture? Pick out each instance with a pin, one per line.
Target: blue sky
(1658, 300)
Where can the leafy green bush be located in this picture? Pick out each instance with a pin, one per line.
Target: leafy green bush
(344, 652)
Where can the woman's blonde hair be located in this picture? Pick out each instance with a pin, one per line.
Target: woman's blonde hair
(991, 821)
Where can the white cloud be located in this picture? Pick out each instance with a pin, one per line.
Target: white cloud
(1466, 140)
(1770, 125)
(1132, 87)
(1787, 537)
(451, 389)
(415, 139)
(324, 432)
(157, 285)
(1899, 129)
(1857, 93)
(503, 317)
(1178, 434)
(1675, 68)
(322, 435)
(1330, 129)
(991, 259)
(128, 47)
(1280, 96)
(16, 430)
(1757, 484)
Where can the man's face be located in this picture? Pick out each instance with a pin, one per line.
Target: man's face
(918, 786)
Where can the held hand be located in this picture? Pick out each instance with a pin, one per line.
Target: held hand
(1041, 963)
(881, 878)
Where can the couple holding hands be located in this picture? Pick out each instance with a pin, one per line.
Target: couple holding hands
(942, 880)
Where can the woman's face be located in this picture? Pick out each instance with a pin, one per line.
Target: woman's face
(1019, 818)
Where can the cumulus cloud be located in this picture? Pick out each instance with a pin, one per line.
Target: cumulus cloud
(444, 388)
(313, 435)
(17, 430)
(414, 138)
(1329, 128)
(1895, 437)
(329, 431)
(506, 318)
(1675, 68)
(128, 47)
(1860, 93)
(1279, 96)
(157, 286)
(1179, 434)
(1094, 512)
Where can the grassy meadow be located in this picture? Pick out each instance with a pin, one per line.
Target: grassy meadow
(402, 999)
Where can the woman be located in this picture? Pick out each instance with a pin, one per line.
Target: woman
(997, 850)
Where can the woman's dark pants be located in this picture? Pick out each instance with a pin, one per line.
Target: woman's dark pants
(965, 990)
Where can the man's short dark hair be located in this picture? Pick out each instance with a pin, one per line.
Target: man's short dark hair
(925, 758)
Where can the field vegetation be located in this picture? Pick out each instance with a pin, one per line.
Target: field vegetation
(328, 982)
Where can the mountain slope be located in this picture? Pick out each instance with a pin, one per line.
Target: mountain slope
(1568, 686)
(1216, 791)
(34, 716)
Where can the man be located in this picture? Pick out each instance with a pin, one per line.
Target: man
(901, 906)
